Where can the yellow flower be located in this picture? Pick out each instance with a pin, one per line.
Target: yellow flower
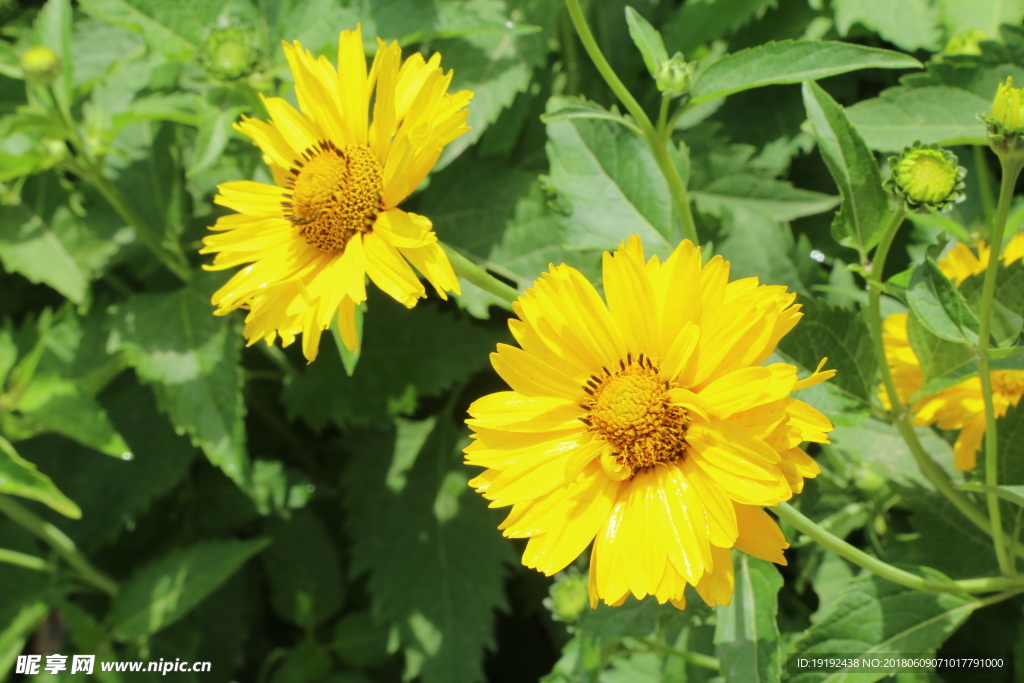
(957, 407)
(960, 262)
(330, 219)
(646, 425)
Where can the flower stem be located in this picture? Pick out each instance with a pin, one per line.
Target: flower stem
(898, 412)
(1011, 168)
(59, 541)
(677, 189)
(794, 517)
(90, 170)
(473, 273)
(984, 182)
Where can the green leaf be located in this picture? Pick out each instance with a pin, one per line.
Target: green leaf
(407, 355)
(774, 198)
(791, 61)
(880, 447)
(170, 29)
(841, 335)
(610, 184)
(699, 22)
(303, 571)
(943, 362)
(747, 637)
(1007, 302)
(939, 114)
(176, 107)
(909, 25)
(959, 16)
(573, 108)
(1010, 446)
(648, 41)
(162, 592)
(59, 405)
(938, 305)
(854, 169)
(19, 477)
(191, 357)
(757, 246)
(877, 617)
(53, 28)
(436, 561)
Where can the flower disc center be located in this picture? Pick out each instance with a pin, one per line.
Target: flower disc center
(927, 176)
(335, 194)
(1010, 383)
(629, 410)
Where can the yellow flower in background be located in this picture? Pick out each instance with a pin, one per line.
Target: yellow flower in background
(960, 262)
(646, 424)
(330, 219)
(960, 406)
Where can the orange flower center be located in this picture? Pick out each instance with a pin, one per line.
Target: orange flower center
(1010, 383)
(335, 193)
(629, 409)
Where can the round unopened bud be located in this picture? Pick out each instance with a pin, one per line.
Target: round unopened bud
(569, 596)
(966, 43)
(229, 53)
(1005, 121)
(867, 480)
(927, 177)
(675, 75)
(41, 65)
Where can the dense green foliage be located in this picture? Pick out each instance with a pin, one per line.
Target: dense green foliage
(295, 523)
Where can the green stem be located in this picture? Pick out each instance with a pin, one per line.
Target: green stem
(663, 118)
(988, 204)
(27, 561)
(695, 658)
(1011, 168)
(680, 197)
(59, 541)
(90, 170)
(473, 273)
(570, 55)
(897, 412)
(794, 517)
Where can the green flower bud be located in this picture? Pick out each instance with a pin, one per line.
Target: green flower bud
(868, 481)
(229, 53)
(927, 178)
(675, 76)
(966, 43)
(41, 65)
(1005, 121)
(569, 596)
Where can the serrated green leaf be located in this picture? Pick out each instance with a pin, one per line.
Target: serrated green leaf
(162, 592)
(880, 447)
(774, 198)
(19, 477)
(647, 40)
(841, 335)
(610, 183)
(791, 61)
(939, 306)
(158, 36)
(939, 114)
(943, 362)
(191, 357)
(407, 355)
(853, 167)
(747, 635)
(435, 581)
(699, 22)
(59, 405)
(877, 617)
(303, 570)
(910, 25)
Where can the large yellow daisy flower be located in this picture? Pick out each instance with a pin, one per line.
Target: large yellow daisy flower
(646, 425)
(330, 219)
(960, 406)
